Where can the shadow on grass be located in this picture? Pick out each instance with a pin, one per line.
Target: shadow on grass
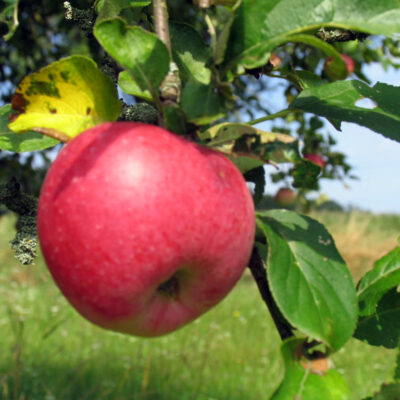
(88, 380)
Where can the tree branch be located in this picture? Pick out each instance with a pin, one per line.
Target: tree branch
(338, 35)
(170, 89)
(161, 23)
(259, 273)
(26, 240)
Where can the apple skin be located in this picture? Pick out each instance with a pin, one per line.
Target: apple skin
(143, 231)
(285, 197)
(330, 71)
(316, 159)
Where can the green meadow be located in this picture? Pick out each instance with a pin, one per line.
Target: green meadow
(49, 352)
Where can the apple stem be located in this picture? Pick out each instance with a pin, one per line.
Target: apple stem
(259, 273)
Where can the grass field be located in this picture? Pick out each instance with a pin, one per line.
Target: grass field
(48, 352)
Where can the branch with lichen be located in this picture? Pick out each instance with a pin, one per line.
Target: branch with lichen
(141, 112)
(84, 18)
(339, 35)
(24, 205)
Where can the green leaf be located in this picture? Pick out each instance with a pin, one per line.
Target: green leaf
(129, 86)
(337, 101)
(260, 26)
(387, 392)
(383, 327)
(9, 17)
(201, 103)
(140, 52)
(305, 174)
(308, 380)
(249, 147)
(384, 276)
(308, 79)
(223, 37)
(190, 53)
(19, 143)
(107, 9)
(175, 119)
(70, 96)
(309, 280)
(397, 370)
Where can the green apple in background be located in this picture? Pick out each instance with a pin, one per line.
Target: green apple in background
(144, 231)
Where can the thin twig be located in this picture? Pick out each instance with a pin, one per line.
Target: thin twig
(258, 271)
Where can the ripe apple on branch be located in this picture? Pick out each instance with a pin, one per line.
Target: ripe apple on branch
(285, 197)
(184, 235)
(316, 159)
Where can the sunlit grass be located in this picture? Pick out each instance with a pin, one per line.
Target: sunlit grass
(47, 351)
(362, 238)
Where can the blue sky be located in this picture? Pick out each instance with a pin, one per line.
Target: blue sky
(376, 161)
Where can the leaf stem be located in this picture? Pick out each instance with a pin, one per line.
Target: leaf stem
(259, 273)
(212, 31)
(279, 114)
(53, 134)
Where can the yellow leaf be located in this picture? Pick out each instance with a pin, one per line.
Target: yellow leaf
(68, 96)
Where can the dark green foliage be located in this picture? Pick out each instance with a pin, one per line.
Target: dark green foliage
(257, 176)
(383, 327)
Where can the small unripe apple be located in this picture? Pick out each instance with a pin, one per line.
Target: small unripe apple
(275, 61)
(316, 159)
(285, 197)
(142, 230)
(332, 73)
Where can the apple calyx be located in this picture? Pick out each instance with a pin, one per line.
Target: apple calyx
(170, 288)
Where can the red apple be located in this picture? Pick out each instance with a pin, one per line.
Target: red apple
(144, 231)
(316, 159)
(285, 197)
(332, 73)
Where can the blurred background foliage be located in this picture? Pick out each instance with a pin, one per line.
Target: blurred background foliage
(44, 35)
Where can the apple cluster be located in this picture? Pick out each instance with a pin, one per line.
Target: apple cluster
(142, 230)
